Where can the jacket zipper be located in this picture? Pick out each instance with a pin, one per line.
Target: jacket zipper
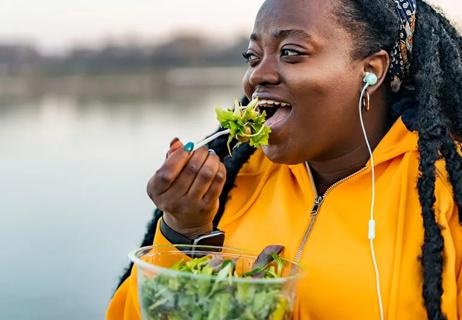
(318, 200)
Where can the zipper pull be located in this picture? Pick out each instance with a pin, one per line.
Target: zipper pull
(316, 205)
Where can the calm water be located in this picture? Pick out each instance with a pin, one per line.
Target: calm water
(72, 194)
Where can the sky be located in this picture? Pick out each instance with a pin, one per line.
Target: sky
(56, 25)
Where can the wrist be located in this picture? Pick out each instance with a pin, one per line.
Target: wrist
(188, 231)
(213, 238)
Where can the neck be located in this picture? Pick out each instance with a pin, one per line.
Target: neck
(328, 171)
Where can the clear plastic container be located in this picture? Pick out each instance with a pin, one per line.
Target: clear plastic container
(167, 294)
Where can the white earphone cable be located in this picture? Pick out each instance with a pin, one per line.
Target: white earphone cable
(371, 230)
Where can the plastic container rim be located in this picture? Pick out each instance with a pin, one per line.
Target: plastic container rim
(133, 256)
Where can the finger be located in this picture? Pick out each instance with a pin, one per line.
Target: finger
(217, 185)
(168, 172)
(174, 145)
(173, 141)
(205, 177)
(185, 179)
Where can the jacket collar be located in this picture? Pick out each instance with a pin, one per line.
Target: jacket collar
(396, 142)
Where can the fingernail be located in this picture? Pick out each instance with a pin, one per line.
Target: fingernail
(173, 141)
(188, 147)
(211, 151)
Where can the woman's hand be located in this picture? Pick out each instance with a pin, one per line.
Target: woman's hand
(186, 188)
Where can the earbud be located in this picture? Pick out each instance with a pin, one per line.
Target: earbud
(370, 79)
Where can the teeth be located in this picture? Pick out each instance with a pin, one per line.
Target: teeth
(272, 102)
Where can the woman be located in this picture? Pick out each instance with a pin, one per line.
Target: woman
(310, 188)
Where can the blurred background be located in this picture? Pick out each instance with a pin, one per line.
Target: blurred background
(91, 93)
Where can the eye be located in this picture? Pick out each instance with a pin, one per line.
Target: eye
(290, 53)
(250, 57)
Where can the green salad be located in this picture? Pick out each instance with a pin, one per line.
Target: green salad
(167, 297)
(245, 123)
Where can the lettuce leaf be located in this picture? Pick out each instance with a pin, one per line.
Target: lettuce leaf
(245, 124)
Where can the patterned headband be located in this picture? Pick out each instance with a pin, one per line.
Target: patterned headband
(402, 51)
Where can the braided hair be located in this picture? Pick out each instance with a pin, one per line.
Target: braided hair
(436, 111)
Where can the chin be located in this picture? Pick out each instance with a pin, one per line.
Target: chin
(279, 154)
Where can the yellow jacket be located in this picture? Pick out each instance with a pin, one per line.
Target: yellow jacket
(272, 204)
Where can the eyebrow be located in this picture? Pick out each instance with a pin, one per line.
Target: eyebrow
(281, 34)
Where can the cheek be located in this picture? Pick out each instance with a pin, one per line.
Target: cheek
(248, 89)
(325, 101)
(326, 90)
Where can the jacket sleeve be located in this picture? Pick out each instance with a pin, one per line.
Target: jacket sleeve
(124, 305)
(459, 274)
(459, 294)
(456, 232)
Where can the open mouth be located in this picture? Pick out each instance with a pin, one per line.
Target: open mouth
(276, 111)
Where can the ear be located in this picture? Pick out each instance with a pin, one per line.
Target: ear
(378, 64)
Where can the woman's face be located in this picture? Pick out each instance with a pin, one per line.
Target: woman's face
(298, 54)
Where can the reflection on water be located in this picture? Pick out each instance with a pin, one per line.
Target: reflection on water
(72, 193)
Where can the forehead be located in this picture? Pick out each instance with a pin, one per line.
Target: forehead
(311, 16)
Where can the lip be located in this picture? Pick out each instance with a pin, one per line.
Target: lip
(278, 128)
(270, 97)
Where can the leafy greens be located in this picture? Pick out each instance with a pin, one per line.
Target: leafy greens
(167, 297)
(245, 123)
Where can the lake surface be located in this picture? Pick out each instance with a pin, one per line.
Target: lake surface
(73, 197)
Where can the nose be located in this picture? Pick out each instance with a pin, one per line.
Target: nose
(266, 72)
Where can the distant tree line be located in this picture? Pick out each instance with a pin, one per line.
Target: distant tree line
(181, 51)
